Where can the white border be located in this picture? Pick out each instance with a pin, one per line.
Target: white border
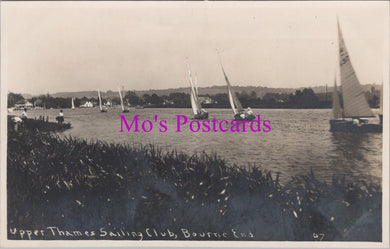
(229, 244)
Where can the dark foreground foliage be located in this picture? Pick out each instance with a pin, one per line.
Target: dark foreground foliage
(98, 187)
(40, 125)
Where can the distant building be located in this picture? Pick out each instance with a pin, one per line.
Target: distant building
(108, 103)
(23, 104)
(87, 104)
(206, 100)
(168, 102)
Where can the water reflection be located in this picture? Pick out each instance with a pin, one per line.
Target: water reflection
(349, 144)
(352, 157)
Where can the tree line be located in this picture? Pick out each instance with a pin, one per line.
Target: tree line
(305, 98)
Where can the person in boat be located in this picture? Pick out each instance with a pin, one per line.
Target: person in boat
(359, 122)
(17, 121)
(363, 121)
(23, 116)
(249, 111)
(60, 117)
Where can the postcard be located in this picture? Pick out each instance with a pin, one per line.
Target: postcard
(204, 124)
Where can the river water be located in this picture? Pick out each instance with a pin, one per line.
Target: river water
(299, 140)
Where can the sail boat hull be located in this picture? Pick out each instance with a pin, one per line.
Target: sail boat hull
(344, 125)
(203, 115)
(244, 117)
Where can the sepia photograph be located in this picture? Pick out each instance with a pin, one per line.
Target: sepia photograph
(260, 124)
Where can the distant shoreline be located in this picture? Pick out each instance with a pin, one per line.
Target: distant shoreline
(202, 90)
(251, 97)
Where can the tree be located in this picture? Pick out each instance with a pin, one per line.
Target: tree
(14, 98)
(221, 100)
(155, 99)
(115, 101)
(146, 98)
(181, 100)
(306, 98)
(132, 98)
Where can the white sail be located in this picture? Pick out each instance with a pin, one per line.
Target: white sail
(73, 103)
(192, 97)
(195, 104)
(354, 100)
(234, 102)
(120, 97)
(100, 100)
(231, 101)
(336, 103)
(196, 86)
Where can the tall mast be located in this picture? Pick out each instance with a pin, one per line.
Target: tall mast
(194, 96)
(234, 102)
(100, 100)
(120, 96)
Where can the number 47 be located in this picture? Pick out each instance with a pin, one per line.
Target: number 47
(318, 236)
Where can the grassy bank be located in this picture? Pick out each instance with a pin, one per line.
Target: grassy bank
(41, 125)
(77, 185)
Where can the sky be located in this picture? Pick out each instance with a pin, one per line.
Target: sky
(50, 47)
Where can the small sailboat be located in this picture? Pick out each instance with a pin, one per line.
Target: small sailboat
(199, 112)
(121, 99)
(239, 113)
(73, 104)
(102, 109)
(356, 115)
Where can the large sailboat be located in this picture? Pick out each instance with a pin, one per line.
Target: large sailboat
(356, 115)
(102, 109)
(199, 112)
(121, 99)
(239, 113)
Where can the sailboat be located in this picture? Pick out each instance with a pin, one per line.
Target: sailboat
(122, 105)
(199, 113)
(100, 103)
(73, 104)
(239, 113)
(356, 115)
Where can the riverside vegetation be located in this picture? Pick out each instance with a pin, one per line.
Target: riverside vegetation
(305, 98)
(76, 185)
